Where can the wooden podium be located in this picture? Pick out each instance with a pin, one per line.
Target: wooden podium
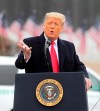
(74, 96)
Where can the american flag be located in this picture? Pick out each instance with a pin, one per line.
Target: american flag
(30, 26)
(68, 30)
(3, 24)
(80, 33)
(16, 28)
(95, 35)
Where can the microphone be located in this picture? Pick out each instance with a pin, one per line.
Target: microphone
(47, 44)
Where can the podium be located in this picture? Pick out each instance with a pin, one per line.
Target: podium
(74, 97)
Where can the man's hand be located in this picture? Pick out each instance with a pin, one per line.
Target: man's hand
(88, 83)
(26, 50)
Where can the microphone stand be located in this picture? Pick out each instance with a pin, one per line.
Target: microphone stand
(47, 44)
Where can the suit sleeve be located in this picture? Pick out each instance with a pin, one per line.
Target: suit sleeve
(20, 62)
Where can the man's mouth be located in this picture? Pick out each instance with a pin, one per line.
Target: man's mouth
(51, 32)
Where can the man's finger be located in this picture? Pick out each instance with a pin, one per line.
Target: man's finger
(88, 83)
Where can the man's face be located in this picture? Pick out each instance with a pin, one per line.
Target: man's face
(52, 27)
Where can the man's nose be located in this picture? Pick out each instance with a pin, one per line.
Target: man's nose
(52, 25)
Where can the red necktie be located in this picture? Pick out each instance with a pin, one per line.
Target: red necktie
(54, 59)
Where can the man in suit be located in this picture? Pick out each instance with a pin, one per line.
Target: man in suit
(35, 56)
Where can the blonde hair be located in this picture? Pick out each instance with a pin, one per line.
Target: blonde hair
(56, 15)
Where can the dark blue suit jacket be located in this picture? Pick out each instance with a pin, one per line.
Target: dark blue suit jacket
(68, 59)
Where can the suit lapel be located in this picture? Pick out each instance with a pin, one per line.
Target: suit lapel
(41, 42)
(61, 52)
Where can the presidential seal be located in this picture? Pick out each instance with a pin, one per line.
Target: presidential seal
(49, 92)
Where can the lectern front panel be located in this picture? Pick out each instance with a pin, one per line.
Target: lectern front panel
(74, 92)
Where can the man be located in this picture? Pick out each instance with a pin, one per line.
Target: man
(36, 54)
